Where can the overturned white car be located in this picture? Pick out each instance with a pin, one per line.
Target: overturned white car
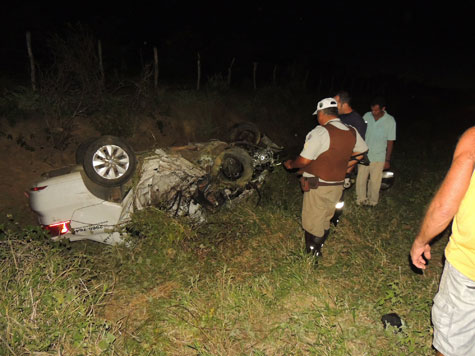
(95, 198)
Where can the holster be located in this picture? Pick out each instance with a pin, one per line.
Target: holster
(307, 183)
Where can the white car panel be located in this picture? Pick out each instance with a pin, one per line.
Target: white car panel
(95, 218)
(61, 197)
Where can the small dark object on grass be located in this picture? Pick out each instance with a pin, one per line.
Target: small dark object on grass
(392, 319)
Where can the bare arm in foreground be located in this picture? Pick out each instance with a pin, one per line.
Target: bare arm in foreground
(447, 200)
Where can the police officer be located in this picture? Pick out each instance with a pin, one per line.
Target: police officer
(323, 162)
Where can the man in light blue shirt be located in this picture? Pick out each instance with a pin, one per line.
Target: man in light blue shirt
(380, 137)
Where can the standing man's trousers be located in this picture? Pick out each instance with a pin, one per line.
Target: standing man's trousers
(367, 192)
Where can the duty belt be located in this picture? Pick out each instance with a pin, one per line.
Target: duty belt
(307, 183)
(315, 181)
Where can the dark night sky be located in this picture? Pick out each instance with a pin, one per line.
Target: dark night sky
(421, 40)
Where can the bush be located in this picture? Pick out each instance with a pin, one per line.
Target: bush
(19, 103)
(114, 118)
(73, 86)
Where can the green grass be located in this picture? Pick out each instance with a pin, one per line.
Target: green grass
(239, 285)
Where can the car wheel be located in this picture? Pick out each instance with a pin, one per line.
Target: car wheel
(109, 161)
(245, 132)
(81, 150)
(234, 166)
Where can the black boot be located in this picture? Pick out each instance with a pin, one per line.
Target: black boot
(325, 236)
(309, 244)
(319, 241)
(313, 244)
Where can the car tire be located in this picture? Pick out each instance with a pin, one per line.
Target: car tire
(109, 161)
(233, 166)
(81, 149)
(245, 132)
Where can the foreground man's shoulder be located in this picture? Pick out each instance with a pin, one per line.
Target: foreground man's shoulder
(470, 132)
(466, 146)
(468, 138)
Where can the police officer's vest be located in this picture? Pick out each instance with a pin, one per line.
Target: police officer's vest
(332, 164)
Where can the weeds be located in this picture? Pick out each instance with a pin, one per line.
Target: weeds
(49, 299)
(238, 285)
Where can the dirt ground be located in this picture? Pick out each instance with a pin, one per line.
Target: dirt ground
(26, 153)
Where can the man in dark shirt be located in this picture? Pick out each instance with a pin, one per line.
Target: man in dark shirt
(347, 115)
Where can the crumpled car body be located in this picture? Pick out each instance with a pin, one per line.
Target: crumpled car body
(93, 200)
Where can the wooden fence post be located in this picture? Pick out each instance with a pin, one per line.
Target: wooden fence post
(229, 71)
(155, 68)
(254, 70)
(198, 79)
(32, 61)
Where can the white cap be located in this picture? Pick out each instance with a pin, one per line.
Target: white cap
(324, 104)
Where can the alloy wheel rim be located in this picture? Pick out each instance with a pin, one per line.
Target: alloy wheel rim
(110, 162)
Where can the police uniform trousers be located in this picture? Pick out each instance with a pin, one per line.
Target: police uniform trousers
(318, 208)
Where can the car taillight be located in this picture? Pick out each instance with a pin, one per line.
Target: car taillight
(36, 189)
(58, 229)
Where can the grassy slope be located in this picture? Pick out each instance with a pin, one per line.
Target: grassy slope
(239, 285)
